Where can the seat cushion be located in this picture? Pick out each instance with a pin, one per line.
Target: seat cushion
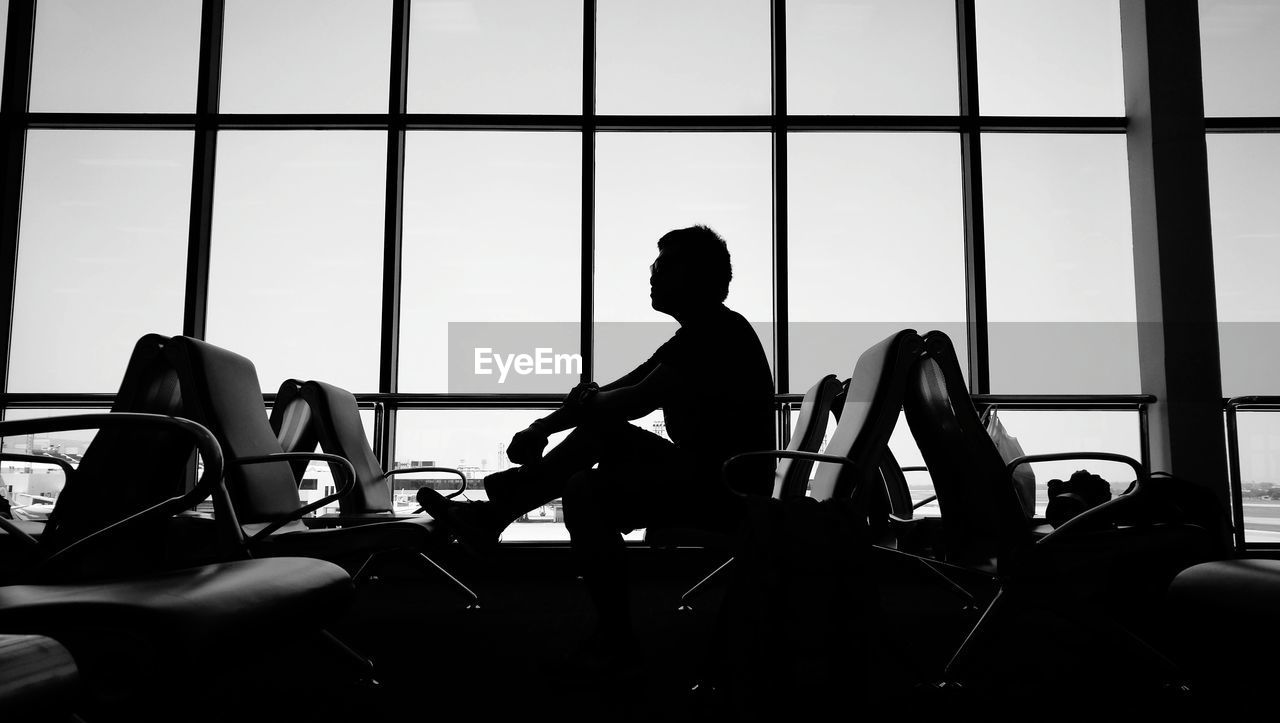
(38, 678)
(194, 609)
(418, 533)
(687, 537)
(1219, 612)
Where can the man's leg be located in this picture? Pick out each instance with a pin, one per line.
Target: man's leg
(590, 514)
(516, 491)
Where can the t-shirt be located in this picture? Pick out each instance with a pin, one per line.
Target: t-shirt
(722, 401)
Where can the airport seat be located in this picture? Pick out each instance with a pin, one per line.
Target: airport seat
(334, 417)
(790, 478)
(1103, 570)
(107, 578)
(782, 631)
(221, 391)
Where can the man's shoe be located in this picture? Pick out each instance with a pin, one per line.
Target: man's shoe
(474, 524)
(500, 486)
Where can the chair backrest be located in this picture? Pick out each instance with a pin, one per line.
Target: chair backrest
(867, 417)
(337, 423)
(291, 420)
(221, 391)
(792, 475)
(982, 517)
(129, 468)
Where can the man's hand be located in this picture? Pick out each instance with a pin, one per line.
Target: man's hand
(581, 394)
(526, 445)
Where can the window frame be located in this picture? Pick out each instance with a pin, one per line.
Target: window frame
(969, 124)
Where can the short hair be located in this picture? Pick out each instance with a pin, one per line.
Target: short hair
(705, 253)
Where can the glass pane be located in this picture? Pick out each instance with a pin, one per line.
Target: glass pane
(1046, 57)
(295, 274)
(473, 441)
(1240, 57)
(306, 56)
(1259, 434)
(476, 204)
(683, 57)
(876, 57)
(4, 32)
(495, 56)
(1244, 181)
(875, 244)
(120, 56)
(99, 209)
(650, 183)
(1060, 291)
(1046, 432)
(32, 488)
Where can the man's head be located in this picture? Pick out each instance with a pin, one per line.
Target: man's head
(692, 270)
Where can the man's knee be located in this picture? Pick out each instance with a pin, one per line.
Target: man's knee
(585, 506)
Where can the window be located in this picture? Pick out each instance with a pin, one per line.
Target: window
(512, 205)
(492, 242)
(1059, 264)
(121, 56)
(297, 238)
(99, 208)
(306, 56)
(682, 57)
(1244, 178)
(495, 56)
(878, 58)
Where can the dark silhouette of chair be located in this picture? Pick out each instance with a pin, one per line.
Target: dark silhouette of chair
(106, 580)
(221, 391)
(986, 532)
(776, 555)
(790, 478)
(334, 417)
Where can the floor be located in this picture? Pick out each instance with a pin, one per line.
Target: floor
(519, 657)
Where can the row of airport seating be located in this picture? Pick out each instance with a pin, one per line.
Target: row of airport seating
(127, 577)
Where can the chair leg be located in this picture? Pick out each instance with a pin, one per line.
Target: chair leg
(362, 666)
(970, 603)
(474, 603)
(971, 640)
(365, 571)
(684, 599)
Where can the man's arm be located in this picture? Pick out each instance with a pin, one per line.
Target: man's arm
(632, 395)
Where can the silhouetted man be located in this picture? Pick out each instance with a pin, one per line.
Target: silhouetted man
(713, 383)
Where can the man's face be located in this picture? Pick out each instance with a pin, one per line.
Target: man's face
(668, 283)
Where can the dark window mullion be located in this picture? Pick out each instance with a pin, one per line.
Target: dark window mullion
(587, 316)
(971, 169)
(204, 160)
(781, 337)
(393, 232)
(13, 106)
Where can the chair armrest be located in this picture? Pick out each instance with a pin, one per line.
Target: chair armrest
(348, 481)
(1082, 520)
(408, 470)
(777, 454)
(63, 464)
(925, 501)
(206, 444)
(1139, 469)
